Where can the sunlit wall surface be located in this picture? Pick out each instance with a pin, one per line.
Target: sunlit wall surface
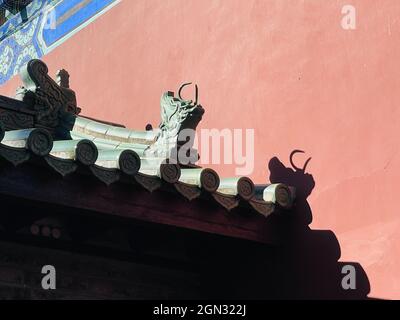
(320, 76)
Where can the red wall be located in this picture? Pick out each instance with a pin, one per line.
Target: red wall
(286, 68)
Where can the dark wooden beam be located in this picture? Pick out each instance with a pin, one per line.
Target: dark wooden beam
(33, 182)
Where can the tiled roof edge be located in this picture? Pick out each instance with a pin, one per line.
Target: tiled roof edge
(46, 125)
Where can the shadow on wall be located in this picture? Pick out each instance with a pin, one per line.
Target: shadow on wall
(310, 257)
(305, 266)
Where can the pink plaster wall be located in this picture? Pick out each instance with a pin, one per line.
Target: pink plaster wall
(283, 67)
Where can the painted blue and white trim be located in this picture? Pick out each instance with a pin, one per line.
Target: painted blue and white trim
(49, 24)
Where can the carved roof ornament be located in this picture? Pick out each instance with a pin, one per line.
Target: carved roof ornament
(63, 78)
(179, 119)
(50, 99)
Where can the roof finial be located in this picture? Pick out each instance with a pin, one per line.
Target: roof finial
(196, 94)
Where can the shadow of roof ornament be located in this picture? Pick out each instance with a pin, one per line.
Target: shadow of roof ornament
(292, 163)
(292, 175)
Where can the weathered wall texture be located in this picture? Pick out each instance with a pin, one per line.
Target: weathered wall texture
(286, 68)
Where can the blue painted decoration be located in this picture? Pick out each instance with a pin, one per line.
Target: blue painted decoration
(49, 23)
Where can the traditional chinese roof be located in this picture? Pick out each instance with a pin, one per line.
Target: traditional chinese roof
(44, 122)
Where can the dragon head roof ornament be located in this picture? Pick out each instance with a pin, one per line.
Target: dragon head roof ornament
(179, 119)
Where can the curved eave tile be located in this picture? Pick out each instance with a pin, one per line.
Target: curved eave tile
(91, 128)
(62, 166)
(195, 181)
(16, 156)
(243, 187)
(189, 191)
(150, 183)
(111, 160)
(106, 175)
(17, 146)
(277, 193)
(229, 202)
(263, 207)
